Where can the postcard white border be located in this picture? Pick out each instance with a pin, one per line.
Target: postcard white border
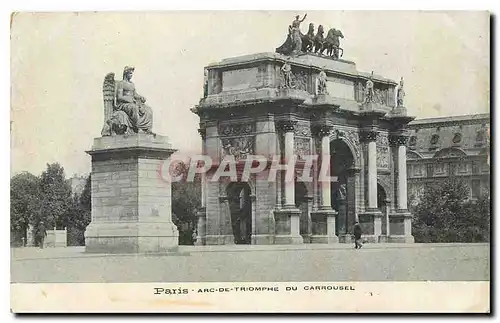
(256, 297)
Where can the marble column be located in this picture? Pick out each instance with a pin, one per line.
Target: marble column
(324, 218)
(288, 218)
(371, 137)
(371, 219)
(326, 202)
(289, 154)
(402, 179)
(399, 141)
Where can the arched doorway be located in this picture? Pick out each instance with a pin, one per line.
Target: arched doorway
(302, 203)
(342, 191)
(382, 205)
(240, 206)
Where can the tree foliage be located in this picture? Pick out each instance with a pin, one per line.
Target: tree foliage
(186, 200)
(56, 196)
(80, 216)
(43, 202)
(445, 214)
(24, 202)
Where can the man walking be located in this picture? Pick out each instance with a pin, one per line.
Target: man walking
(357, 236)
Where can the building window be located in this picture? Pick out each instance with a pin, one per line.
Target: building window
(481, 137)
(415, 170)
(476, 188)
(420, 170)
(434, 141)
(430, 170)
(452, 169)
(485, 167)
(462, 167)
(439, 168)
(475, 168)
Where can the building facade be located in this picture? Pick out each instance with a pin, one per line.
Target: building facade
(274, 105)
(455, 146)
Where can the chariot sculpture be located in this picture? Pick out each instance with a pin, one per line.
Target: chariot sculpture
(297, 42)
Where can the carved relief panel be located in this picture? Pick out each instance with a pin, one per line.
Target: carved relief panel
(302, 140)
(383, 151)
(237, 140)
(302, 147)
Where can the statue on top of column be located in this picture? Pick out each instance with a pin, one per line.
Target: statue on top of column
(369, 92)
(401, 93)
(286, 76)
(322, 83)
(125, 111)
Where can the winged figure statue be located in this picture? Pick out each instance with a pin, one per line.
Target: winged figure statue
(125, 111)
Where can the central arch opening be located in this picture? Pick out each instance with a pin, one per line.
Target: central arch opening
(302, 203)
(341, 164)
(240, 206)
(382, 205)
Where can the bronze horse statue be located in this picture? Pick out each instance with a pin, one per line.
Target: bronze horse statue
(332, 44)
(308, 39)
(319, 40)
(314, 43)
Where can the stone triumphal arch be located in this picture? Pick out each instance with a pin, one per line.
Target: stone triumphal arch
(283, 104)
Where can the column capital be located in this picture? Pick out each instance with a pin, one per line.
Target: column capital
(398, 139)
(203, 133)
(321, 131)
(287, 125)
(368, 135)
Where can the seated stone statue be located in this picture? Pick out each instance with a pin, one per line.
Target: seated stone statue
(125, 111)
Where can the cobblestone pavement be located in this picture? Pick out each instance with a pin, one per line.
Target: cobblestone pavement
(341, 262)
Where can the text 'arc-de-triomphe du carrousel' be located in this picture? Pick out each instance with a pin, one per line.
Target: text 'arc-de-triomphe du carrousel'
(301, 101)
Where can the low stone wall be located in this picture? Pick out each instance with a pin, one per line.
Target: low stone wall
(56, 238)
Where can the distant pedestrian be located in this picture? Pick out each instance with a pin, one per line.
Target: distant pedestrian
(194, 236)
(357, 236)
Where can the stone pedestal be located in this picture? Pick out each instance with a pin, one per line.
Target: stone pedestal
(287, 226)
(323, 226)
(342, 217)
(371, 225)
(372, 107)
(263, 239)
(400, 227)
(131, 196)
(346, 238)
(219, 239)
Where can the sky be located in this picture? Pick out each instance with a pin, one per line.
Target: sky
(59, 60)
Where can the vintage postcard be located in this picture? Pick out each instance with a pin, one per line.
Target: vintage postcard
(250, 161)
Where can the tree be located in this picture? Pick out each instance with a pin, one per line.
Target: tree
(80, 215)
(55, 201)
(476, 226)
(24, 202)
(56, 196)
(444, 214)
(186, 200)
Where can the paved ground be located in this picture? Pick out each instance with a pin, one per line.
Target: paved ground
(375, 262)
